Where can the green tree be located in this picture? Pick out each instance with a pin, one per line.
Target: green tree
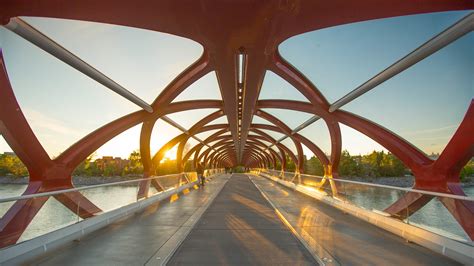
(290, 165)
(348, 166)
(82, 168)
(11, 164)
(314, 167)
(135, 165)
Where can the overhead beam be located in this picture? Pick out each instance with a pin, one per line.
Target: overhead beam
(449, 35)
(29, 33)
(185, 131)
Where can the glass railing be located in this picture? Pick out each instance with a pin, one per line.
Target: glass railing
(434, 216)
(211, 172)
(53, 214)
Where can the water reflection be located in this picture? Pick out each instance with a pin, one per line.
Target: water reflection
(54, 215)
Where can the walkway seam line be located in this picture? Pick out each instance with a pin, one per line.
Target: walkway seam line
(185, 230)
(288, 225)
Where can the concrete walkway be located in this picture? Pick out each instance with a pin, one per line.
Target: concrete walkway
(143, 238)
(230, 222)
(342, 238)
(241, 228)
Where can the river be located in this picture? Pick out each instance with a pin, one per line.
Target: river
(54, 215)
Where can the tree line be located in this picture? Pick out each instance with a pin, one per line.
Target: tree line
(372, 165)
(375, 164)
(133, 167)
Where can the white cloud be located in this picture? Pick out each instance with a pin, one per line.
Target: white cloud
(40, 121)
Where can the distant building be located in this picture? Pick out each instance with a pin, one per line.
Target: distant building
(9, 153)
(106, 161)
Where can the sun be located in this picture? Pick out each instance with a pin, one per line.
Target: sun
(171, 154)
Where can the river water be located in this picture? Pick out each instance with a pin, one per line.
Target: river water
(54, 215)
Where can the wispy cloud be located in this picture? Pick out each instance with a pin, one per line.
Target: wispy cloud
(430, 130)
(47, 124)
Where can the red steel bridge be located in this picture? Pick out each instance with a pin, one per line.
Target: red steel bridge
(240, 41)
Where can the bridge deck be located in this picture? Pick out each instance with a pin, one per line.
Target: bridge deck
(138, 239)
(241, 227)
(345, 239)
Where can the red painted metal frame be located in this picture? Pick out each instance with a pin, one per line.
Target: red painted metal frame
(255, 28)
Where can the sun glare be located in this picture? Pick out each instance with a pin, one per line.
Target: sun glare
(171, 154)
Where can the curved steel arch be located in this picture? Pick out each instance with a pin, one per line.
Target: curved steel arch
(215, 136)
(225, 141)
(182, 159)
(259, 40)
(183, 138)
(281, 148)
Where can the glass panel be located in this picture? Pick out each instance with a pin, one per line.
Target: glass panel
(432, 217)
(369, 198)
(9, 190)
(318, 133)
(436, 218)
(426, 103)
(274, 87)
(52, 216)
(122, 195)
(187, 119)
(291, 118)
(331, 57)
(204, 88)
(13, 175)
(142, 61)
(169, 181)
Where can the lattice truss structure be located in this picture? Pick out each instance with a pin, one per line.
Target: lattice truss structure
(240, 49)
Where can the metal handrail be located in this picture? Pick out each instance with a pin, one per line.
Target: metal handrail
(34, 36)
(56, 192)
(437, 194)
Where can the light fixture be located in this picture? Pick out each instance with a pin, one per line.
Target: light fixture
(241, 67)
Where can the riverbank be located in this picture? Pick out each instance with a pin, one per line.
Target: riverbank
(405, 181)
(77, 180)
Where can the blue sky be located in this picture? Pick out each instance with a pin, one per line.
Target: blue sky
(424, 104)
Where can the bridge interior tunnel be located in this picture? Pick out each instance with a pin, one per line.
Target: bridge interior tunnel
(241, 53)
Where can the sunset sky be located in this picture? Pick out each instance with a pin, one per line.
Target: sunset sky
(424, 104)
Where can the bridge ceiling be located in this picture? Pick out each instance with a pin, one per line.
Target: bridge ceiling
(247, 54)
(255, 30)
